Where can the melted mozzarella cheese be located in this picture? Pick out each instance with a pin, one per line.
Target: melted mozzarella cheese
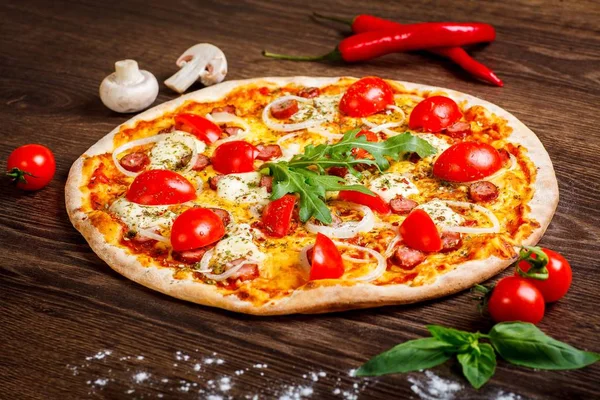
(136, 216)
(440, 144)
(389, 186)
(238, 244)
(174, 152)
(242, 188)
(441, 214)
(322, 108)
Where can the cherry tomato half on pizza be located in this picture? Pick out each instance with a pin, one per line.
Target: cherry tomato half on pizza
(419, 232)
(234, 157)
(467, 161)
(325, 259)
(195, 228)
(434, 114)
(160, 187)
(277, 216)
(31, 167)
(366, 96)
(202, 128)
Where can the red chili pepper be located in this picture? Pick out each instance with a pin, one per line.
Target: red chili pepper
(368, 45)
(368, 23)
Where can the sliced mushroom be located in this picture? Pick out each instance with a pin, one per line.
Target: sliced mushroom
(204, 62)
(128, 89)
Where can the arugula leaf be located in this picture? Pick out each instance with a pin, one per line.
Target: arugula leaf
(305, 174)
(451, 335)
(311, 188)
(478, 365)
(524, 344)
(408, 356)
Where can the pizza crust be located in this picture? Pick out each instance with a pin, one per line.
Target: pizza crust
(324, 298)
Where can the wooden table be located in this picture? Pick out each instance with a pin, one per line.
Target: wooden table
(72, 328)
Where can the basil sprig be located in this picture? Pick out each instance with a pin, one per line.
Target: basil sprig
(518, 343)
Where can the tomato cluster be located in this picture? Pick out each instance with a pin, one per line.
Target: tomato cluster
(541, 276)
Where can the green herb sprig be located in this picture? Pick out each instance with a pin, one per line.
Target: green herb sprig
(305, 174)
(518, 343)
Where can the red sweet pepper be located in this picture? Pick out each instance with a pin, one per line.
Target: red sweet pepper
(369, 23)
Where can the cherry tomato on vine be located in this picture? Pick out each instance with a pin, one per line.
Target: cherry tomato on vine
(516, 299)
(434, 114)
(31, 166)
(559, 279)
(366, 96)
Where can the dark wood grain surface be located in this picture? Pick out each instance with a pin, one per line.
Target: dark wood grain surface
(71, 328)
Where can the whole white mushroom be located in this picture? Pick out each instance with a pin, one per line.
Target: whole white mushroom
(128, 89)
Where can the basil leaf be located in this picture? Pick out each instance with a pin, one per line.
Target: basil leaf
(524, 344)
(452, 336)
(408, 356)
(479, 364)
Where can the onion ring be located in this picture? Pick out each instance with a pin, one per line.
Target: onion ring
(279, 127)
(346, 230)
(495, 228)
(130, 145)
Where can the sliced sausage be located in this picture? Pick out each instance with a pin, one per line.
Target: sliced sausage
(402, 206)
(408, 258)
(135, 162)
(285, 109)
(266, 182)
(504, 156)
(230, 109)
(232, 130)
(247, 272)
(167, 130)
(309, 92)
(213, 181)
(458, 130)
(337, 171)
(223, 214)
(268, 152)
(190, 256)
(201, 162)
(450, 241)
(483, 191)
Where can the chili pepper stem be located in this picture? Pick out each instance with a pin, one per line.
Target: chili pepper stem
(333, 56)
(332, 18)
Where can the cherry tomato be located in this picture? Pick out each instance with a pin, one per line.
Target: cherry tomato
(326, 259)
(196, 227)
(160, 187)
(31, 167)
(277, 216)
(234, 157)
(467, 161)
(374, 202)
(559, 279)
(419, 232)
(366, 96)
(434, 114)
(202, 128)
(371, 137)
(516, 299)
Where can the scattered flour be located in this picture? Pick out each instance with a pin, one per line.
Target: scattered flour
(434, 388)
(197, 378)
(507, 396)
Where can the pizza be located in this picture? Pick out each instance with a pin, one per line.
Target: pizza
(308, 195)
